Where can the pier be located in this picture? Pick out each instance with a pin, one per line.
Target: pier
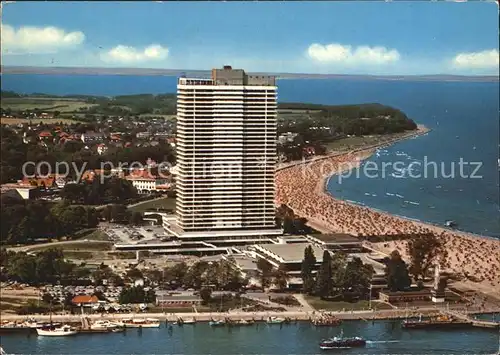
(475, 322)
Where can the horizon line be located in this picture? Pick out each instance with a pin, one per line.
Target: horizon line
(21, 69)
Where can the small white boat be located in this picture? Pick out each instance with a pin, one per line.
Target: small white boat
(215, 323)
(275, 320)
(189, 321)
(105, 325)
(141, 323)
(61, 331)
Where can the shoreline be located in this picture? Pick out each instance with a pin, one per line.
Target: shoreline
(469, 254)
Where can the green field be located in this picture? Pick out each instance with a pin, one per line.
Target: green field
(10, 121)
(320, 304)
(165, 202)
(44, 103)
(350, 143)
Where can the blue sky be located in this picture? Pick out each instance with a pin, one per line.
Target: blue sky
(307, 37)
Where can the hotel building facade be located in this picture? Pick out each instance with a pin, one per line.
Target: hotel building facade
(226, 157)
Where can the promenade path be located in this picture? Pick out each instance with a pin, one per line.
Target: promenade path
(306, 306)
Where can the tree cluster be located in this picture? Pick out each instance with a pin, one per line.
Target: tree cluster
(425, 251)
(396, 271)
(127, 105)
(100, 190)
(46, 267)
(337, 277)
(291, 224)
(26, 220)
(136, 294)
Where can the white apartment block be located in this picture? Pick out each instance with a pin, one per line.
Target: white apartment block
(226, 156)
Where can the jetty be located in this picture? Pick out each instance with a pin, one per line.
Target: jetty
(479, 323)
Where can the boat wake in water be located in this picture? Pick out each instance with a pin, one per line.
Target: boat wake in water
(381, 341)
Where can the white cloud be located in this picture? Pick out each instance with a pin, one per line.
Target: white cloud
(127, 54)
(338, 53)
(27, 39)
(477, 60)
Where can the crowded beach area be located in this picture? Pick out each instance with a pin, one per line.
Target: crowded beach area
(302, 187)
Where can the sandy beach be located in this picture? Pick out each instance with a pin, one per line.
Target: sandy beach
(303, 188)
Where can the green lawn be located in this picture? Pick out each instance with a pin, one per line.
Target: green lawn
(165, 202)
(80, 255)
(44, 104)
(96, 234)
(320, 304)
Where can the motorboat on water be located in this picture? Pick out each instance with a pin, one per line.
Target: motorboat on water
(141, 323)
(2, 351)
(189, 321)
(341, 342)
(450, 224)
(275, 320)
(64, 330)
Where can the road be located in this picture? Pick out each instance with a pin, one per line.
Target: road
(27, 248)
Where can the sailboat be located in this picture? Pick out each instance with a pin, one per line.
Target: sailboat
(56, 331)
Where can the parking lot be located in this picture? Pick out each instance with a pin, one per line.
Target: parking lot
(131, 235)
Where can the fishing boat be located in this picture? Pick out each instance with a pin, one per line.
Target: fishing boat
(64, 330)
(189, 321)
(141, 323)
(217, 323)
(341, 342)
(275, 320)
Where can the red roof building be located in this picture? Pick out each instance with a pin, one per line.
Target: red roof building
(45, 134)
(84, 300)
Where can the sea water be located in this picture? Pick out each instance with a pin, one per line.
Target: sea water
(384, 337)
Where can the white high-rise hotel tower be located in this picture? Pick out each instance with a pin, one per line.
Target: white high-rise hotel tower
(226, 156)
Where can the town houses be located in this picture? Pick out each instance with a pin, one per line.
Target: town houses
(88, 148)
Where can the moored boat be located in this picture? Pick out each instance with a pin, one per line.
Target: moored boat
(217, 323)
(275, 320)
(13, 327)
(436, 322)
(64, 330)
(141, 323)
(245, 322)
(105, 325)
(341, 342)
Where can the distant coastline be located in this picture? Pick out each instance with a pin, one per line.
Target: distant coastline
(206, 73)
